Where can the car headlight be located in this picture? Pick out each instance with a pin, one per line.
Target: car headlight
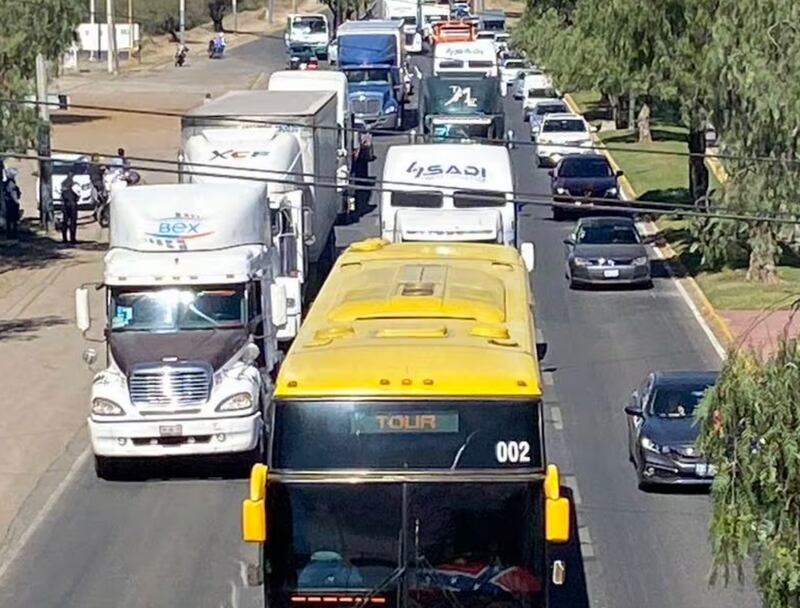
(640, 261)
(651, 446)
(235, 403)
(106, 407)
(612, 192)
(562, 191)
(580, 261)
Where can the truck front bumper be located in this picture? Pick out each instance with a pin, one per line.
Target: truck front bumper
(183, 437)
(383, 121)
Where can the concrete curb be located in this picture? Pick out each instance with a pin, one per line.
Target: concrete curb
(716, 323)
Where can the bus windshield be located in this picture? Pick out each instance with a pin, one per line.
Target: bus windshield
(478, 542)
(396, 435)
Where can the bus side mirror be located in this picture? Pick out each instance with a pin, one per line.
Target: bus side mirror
(280, 305)
(556, 508)
(528, 254)
(82, 317)
(254, 509)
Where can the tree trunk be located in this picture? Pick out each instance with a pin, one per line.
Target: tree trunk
(631, 110)
(698, 172)
(613, 101)
(645, 135)
(764, 255)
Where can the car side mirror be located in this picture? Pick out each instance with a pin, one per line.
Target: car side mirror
(550, 173)
(510, 139)
(596, 128)
(570, 240)
(280, 305)
(82, 316)
(633, 410)
(620, 173)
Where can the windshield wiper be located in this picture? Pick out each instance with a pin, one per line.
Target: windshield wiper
(394, 576)
(461, 450)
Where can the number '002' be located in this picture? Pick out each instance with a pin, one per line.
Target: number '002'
(512, 451)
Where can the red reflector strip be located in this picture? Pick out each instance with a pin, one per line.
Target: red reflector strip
(330, 599)
(298, 599)
(378, 600)
(303, 599)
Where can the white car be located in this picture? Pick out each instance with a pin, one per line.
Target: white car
(563, 134)
(509, 70)
(501, 41)
(61, 165)
(536, 88)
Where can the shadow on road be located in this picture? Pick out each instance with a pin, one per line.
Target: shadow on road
(573, 593)
(27, 329)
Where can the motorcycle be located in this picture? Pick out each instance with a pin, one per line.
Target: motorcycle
(114, 180)
(180, 56)
(216, 48)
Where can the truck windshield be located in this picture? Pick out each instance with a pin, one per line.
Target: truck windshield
(310, 24)
(461, 131)
(396, 435)
(477, 543)
(368, 75)
(161, 309)
(478, 198)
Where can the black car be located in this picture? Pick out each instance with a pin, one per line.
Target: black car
(662, 429)
(608, 251)
(300, 55)
(579, 177)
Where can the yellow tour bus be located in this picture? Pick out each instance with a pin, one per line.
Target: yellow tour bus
(405, 463)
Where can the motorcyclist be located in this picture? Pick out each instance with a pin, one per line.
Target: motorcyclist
(180, 55)
(96, 173)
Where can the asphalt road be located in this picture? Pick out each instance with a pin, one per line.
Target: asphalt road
(176, 542)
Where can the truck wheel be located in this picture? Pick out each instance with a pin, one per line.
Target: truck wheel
(106, 468)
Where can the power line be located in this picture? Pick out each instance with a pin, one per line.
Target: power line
(388, 132)
(597, 204)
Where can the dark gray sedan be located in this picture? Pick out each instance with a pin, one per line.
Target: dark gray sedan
(606, 251)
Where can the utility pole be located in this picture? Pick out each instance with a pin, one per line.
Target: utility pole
(183, 22)
(113, 60)
(235, 7)
(93, 21)
(271, 11)
(43, 147)
(130, 29)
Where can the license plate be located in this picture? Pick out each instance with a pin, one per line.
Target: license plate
(170, 430)
(705, 470)
(611, 274)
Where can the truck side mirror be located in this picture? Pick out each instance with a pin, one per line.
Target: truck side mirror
(250, 353)
(556, 508)
(279, 304)
(254, 508)
(82, 316)
(510, 139)
(527, 252)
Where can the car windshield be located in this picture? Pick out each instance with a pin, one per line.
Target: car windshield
(564, 125)
(606, 234)
(478, 198)
(585, 166)
(473, 544)
(63, 167)
(480, 64)
(310, 24)
(677, 402)
(367, 75)
(550, 108)
(177, 308)
(449, 64)
(542, 94)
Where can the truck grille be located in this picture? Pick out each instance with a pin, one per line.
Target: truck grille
(367, 106)
(170, 386)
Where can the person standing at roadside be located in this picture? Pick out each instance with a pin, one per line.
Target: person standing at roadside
(70, 195)
(11, 195)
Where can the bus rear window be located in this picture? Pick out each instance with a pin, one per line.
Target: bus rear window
(478, 198)
(397, 435)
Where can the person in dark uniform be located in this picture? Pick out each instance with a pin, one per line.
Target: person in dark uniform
(96, 172)
(11, 197)
(363, 157)
(69, 205)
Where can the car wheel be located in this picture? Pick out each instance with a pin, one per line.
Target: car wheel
(648, 284)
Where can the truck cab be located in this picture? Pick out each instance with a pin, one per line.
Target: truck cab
(448, 192)
(311, 29)
(192, 308)
(461, 108)
(372, 56)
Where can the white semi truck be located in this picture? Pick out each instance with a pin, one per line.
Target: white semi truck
(449, 192)
(290, 140)
(192, 308)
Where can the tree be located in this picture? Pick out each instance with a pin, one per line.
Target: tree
(755, 101)
(749, 423)
(27, 29)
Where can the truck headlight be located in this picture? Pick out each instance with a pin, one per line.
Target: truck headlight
(640, 261)
(106, 407)
(580, 261)
(235, 403)
(390, 109)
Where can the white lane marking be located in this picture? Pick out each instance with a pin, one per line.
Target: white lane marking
(572, 483)
(547, 378)
(715, 343)
(555, 418)
(12, 552)
(587, 547)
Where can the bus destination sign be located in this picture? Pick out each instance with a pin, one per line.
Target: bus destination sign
(369, 423)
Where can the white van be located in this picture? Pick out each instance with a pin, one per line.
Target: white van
(536, 88)
(476, 57)
(448, 192)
